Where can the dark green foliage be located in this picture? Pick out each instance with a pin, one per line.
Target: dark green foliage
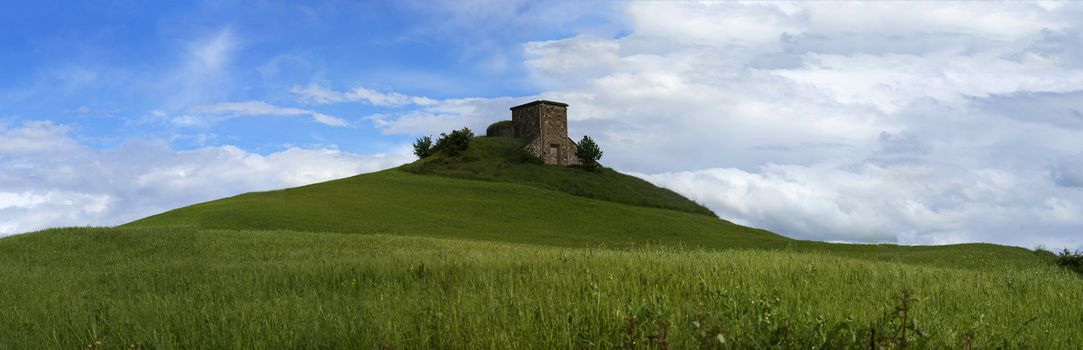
(454, 143)
(524, 157)
(1073, 260)
(423, 147)
(588, 153)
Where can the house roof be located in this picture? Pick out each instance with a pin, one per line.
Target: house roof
(540, 102)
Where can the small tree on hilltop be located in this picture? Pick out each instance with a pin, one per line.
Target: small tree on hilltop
(454, 143)
(588, 153)
(423, 147)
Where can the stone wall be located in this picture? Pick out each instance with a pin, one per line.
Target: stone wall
(503, 128)
(527, 121)
(559, 153)
(545, 125)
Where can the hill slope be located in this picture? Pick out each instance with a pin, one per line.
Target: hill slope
(519, 202)
(397, 202)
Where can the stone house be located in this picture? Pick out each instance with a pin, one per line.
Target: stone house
(544, 126)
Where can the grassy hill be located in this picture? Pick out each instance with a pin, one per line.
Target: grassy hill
(491, 193)
(401, 203)
(488, 250)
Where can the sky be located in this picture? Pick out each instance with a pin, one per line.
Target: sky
(908, 123)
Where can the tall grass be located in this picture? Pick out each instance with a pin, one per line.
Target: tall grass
(187, 288)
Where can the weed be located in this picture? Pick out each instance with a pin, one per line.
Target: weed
(897, 328)
(419, 271)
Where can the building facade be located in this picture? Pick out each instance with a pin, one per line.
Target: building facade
(544, 125)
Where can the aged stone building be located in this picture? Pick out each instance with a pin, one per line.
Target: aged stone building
(544, 126)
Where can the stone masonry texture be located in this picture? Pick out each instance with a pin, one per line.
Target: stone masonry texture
(545, 125)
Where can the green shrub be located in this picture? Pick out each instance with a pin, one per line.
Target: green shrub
(1071, 260)
(588, 153)
(423, 147)
(454, 143)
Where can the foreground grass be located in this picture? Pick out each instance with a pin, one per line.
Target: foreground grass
(169, 288)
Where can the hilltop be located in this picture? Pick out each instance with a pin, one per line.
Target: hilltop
(503, 160)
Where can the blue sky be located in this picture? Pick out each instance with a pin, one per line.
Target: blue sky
(108, 68)
(913, 123)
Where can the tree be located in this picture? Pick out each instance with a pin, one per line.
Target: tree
(454, 143)
(588, 153)
(423, 147)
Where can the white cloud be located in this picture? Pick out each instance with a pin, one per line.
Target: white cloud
(909, 142)
(1001, 21)
(890, 82)
(556, 59)
(208, 114)
(392, 99)
(316, 94)
(250, 108)
(719, 24)
(427, 117)
(446, 115)
(35, 137)
(908, 204)
(212, 52)
(48, 180)
(328, 120)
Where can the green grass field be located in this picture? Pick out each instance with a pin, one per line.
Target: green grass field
(170, 288)
(485, 251)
